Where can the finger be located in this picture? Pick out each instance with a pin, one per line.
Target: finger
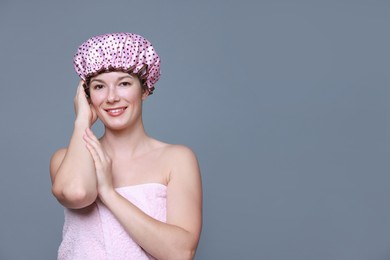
(80, 86)
(100, 158)
(93, 152)
(95, 156)
(94, 146)
(77, 91)
(81, 90)
(91, 139)
(94, 114)
(91, 135)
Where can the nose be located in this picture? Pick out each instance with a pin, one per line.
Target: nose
(112, 94)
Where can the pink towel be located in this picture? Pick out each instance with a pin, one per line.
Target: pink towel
(94, 233)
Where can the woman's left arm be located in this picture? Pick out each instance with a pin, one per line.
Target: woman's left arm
(177, 238)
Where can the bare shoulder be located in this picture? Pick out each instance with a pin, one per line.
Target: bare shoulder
(56, 160)
(183, 161)
(177, 154)
(180, 151)
(173, 152)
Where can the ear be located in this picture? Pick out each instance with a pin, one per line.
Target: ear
(145, 94)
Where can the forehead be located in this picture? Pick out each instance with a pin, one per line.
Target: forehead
(112, 76)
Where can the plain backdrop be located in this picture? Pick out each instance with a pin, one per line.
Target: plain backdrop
(286, 104)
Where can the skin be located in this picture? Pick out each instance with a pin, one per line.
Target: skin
(91, 168)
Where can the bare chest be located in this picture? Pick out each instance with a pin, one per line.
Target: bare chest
(128, 172)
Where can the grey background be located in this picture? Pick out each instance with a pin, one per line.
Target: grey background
(286, 104)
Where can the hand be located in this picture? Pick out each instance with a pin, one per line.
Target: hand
(83, 107)
(102, 162)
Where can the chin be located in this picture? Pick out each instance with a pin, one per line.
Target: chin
(116, 127)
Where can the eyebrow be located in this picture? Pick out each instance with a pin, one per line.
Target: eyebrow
(119, 79)
(123, 77)
(99, 80)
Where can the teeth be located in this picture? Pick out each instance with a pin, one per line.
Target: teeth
(115, 110)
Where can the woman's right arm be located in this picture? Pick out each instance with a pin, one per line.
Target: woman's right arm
(72, 170)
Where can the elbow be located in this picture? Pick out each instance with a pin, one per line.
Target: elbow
(187, 253)
(73, 197)
(186, 249)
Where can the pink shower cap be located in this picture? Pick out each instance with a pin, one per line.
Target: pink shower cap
(118, 51)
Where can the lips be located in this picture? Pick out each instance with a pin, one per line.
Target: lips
(116, 111)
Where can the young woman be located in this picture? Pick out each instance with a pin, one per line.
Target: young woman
(126, 195)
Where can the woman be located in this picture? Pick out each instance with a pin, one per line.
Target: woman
(126, 195)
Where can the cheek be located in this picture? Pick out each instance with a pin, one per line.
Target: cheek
(96, 99)
(131, 96)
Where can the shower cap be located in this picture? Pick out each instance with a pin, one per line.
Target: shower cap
(127, 52)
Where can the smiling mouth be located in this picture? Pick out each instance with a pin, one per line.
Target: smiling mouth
(115, 111)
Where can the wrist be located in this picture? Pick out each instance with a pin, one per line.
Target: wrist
(106, 195)
(83, 123)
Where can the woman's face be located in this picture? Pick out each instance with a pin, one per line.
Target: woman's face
(117, 98)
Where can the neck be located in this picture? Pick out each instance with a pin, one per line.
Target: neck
(128, 142)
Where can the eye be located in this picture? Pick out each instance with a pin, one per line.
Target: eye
(97, 87)
(125, 84)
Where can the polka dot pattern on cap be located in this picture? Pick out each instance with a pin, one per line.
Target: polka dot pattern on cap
(118, 51)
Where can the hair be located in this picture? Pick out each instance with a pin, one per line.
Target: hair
(142, 76)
